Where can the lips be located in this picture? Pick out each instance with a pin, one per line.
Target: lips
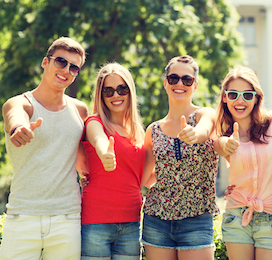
(61, 77)
(179, 91)
(240, 108)
(117, 102)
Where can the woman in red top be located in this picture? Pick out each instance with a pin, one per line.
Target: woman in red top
(113, 144)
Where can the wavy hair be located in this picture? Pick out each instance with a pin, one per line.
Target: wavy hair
(133, 121)
(260, 117)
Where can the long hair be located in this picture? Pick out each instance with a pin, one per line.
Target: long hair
(260, 118)
(133, 121)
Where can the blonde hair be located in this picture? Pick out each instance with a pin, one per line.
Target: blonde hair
(133, 121)
(67, 44)
(260, 118)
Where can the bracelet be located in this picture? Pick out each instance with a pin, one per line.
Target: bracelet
(13, 130)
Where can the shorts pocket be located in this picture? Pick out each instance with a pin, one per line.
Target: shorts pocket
(74, 216)
(227, 218)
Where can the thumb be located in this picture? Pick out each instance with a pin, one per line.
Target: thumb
(111, 145)
(235, 131)
(183, 122)
(36, 124)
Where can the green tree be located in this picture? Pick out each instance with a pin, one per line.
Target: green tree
(143, 35)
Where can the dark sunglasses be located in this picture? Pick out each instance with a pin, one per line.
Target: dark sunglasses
(233, 95)
(122, 90)
(62, 63)
(187, 80)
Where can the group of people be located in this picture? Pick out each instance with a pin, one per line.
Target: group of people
(49, 135)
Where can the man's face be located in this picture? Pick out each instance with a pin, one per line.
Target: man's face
(60, 77)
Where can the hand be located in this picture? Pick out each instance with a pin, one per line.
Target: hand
(229, 190)
(84, 180)
(232, 143)
(23, 135)
(108, 158)
(187, 133)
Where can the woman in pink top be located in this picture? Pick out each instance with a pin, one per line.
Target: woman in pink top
(246, 143)
(113, 144)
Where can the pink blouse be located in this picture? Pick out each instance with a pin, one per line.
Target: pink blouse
(251, 173)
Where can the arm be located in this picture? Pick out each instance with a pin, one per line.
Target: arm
(82, 109)
(148, 177)
(16, 113)
(104, 147)
(82, 167)
(201, 132)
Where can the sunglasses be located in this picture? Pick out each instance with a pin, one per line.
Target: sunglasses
(122, 90)
(187, 80)
(233, 95)
(60, 62)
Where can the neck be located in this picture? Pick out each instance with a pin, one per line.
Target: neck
(49, 99)
(178, 109)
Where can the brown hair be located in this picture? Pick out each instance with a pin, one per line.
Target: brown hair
(260, 118)
(185, 59)
(67, 44)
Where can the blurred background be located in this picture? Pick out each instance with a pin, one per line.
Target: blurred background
(142, 35)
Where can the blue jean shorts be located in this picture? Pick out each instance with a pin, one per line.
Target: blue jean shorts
(185, 234)
(110, 241)
(258, 232)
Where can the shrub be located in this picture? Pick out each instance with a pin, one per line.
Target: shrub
(2, 220)
(220, 252)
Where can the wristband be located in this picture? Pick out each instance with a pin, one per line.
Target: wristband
(13, 130)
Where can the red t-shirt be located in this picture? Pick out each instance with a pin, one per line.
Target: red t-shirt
(113, 196)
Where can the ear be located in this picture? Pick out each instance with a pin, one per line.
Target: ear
(195, 85)
(164, 83)
(44, 62)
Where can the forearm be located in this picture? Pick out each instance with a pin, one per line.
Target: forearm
(219, 144)
(101, 145)
(14, 116)
(203, 132)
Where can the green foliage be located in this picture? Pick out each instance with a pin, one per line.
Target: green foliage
(2, 221)
(221, 252)
(143, 35)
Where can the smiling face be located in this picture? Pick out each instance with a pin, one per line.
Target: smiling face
(179, 91)
(240, 109)
(60, 78)
(116, 104)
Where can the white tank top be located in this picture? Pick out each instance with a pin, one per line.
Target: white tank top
(44, 171)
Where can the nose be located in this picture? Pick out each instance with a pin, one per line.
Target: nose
(115, 93)
(240, 99)
(67, 68)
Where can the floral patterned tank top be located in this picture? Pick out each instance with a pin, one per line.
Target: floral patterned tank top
(185, 175)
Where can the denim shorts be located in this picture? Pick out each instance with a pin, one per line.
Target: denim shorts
(188, 233)
(110, 241)
(258, 232)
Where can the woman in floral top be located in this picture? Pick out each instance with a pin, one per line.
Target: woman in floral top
(179, 208)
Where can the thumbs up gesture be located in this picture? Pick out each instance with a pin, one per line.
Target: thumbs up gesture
(23, 134)
(108, 158)
(187, 133)
(232, 143)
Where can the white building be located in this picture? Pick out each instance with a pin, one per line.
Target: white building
(256, 26)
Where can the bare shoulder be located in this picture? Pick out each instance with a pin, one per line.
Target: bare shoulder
(206, 111)
(81, 107)
(17, 102)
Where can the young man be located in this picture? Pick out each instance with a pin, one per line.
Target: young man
(43, 128)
